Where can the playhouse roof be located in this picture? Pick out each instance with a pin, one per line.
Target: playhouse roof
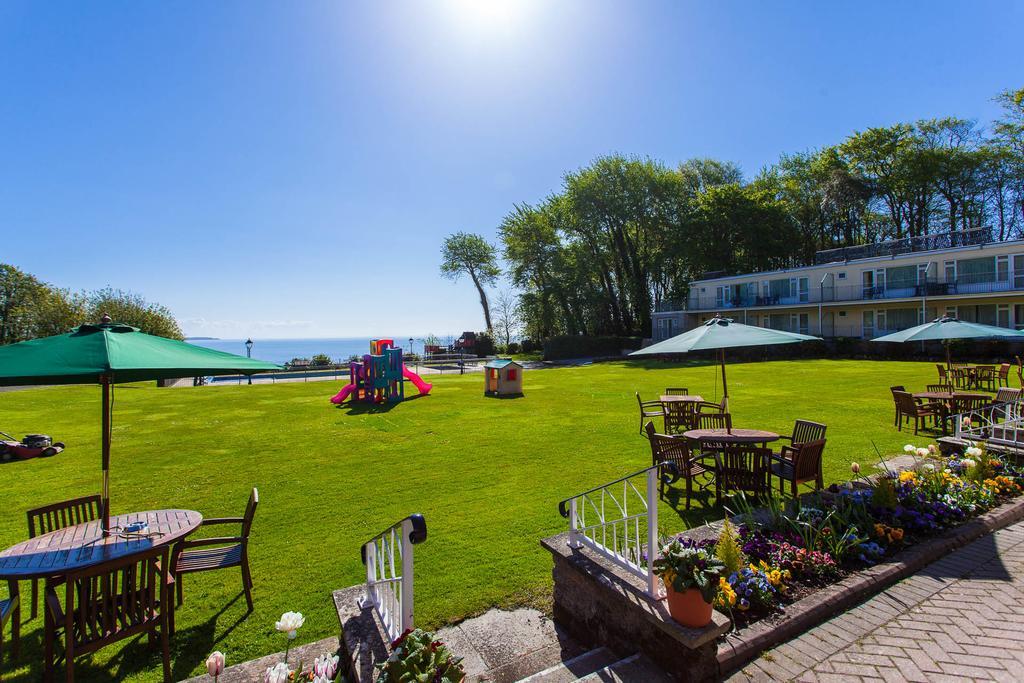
(501, 362)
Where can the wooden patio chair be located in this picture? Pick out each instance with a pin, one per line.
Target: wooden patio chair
(893, 390)
(10, 610)
(943, 373)
(713, 421)
(961, 377)
(108, 603)
(1007, 395)
(911, 410)
(1003, 375)
(648, 409)
(223, 552)
(675, 450)
(985, 377)
(677, 391)
(939, 387)
(680, 416)
(1020, 371)
(741, 468)
(804, 431)
(56, 516)
(802, 466)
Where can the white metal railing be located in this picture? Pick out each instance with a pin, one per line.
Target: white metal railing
(619, 521)
(998, 423)
(389, 573)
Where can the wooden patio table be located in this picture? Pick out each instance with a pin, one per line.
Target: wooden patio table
(685, 398)
(84, 545)
(732, 436)
(949, 396)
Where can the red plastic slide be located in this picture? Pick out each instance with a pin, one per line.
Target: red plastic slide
(417, 381)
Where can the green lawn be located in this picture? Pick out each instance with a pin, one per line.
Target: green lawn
(486, 473)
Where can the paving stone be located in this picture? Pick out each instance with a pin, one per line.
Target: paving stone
(958, 620)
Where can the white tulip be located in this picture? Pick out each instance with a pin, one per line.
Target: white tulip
(922, 452)
(279, 673)
(326, 666)
(290, 623)
(909, 448)
(928, 467)
(968, 463)
(974, 452)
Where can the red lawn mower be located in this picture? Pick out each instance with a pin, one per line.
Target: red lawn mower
(32, 446)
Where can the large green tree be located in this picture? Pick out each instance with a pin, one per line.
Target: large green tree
(468, 254)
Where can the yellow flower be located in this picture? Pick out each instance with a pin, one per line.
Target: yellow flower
(908, 476)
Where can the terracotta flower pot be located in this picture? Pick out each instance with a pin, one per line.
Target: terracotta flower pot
(688, 608)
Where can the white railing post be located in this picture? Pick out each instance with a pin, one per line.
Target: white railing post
(574, 541)
(407, 573)
(652, 530)
(370, 600)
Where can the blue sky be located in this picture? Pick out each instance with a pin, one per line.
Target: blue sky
(283, 169)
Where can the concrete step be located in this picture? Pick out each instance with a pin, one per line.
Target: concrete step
(506, 646)
(572, 669)
(634, 669)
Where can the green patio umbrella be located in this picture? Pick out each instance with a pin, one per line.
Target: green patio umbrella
(108, 353)
(945, 329)
(722, 334)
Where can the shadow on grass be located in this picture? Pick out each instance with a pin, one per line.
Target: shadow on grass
(189, 648)
(696, 515)
(363, 408)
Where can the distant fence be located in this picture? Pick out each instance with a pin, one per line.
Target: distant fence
(447, 364)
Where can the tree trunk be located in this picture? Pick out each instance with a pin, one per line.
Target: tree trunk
(483, 301)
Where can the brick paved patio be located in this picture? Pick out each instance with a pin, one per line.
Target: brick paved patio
(960, 619)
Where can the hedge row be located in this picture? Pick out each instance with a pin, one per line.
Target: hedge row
(568, 346)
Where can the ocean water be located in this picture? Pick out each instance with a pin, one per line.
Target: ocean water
(284, 350)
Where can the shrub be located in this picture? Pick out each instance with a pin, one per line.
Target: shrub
(484, 345)
(320, 360)
(728, 548)
(513, 348)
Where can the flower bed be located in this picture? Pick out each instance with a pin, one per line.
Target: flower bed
(791, 551)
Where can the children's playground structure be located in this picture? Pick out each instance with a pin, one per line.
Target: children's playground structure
(380, 378)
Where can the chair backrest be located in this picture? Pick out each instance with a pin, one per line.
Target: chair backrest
(677, 391)
(665, 448)
(743, 467)
(805, 430)
(714, 421)
(939, 387)
(61, 515)
(898, 387)
(639, 400)
(905, 401)
(942, 372)
(1004, 371)
(680, 414)
(807, 459)
(250, 512)
(108, 602)
(1007, 395)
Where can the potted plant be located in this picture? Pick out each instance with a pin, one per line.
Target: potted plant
(691, 577)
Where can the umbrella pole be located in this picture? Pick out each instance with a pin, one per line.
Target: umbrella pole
(105, 491)
(725, 392)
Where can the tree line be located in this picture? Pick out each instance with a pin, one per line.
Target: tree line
(624, 234)
(31, 308)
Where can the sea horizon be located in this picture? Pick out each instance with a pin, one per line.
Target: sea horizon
(283, 350)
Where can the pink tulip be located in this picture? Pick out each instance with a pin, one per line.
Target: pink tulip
(215, 664)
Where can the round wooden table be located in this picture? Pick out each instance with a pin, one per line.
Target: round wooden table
(732, 436)
(84, 545)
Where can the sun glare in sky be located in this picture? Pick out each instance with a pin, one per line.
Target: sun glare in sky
(489, 16)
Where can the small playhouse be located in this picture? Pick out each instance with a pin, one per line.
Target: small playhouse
(503, 377)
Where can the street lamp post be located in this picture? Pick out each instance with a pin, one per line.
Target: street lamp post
(248, 353)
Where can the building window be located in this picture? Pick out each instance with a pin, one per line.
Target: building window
(1018, 271)
(973, 271)
(950, 271)
(1003, 315)
(1002, 269)
(950, 312)
(841, 276)
(1018, 316)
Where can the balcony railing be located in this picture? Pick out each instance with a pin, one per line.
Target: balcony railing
(847, 292)
(619, 522)
(389, 572)
(948, 240)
